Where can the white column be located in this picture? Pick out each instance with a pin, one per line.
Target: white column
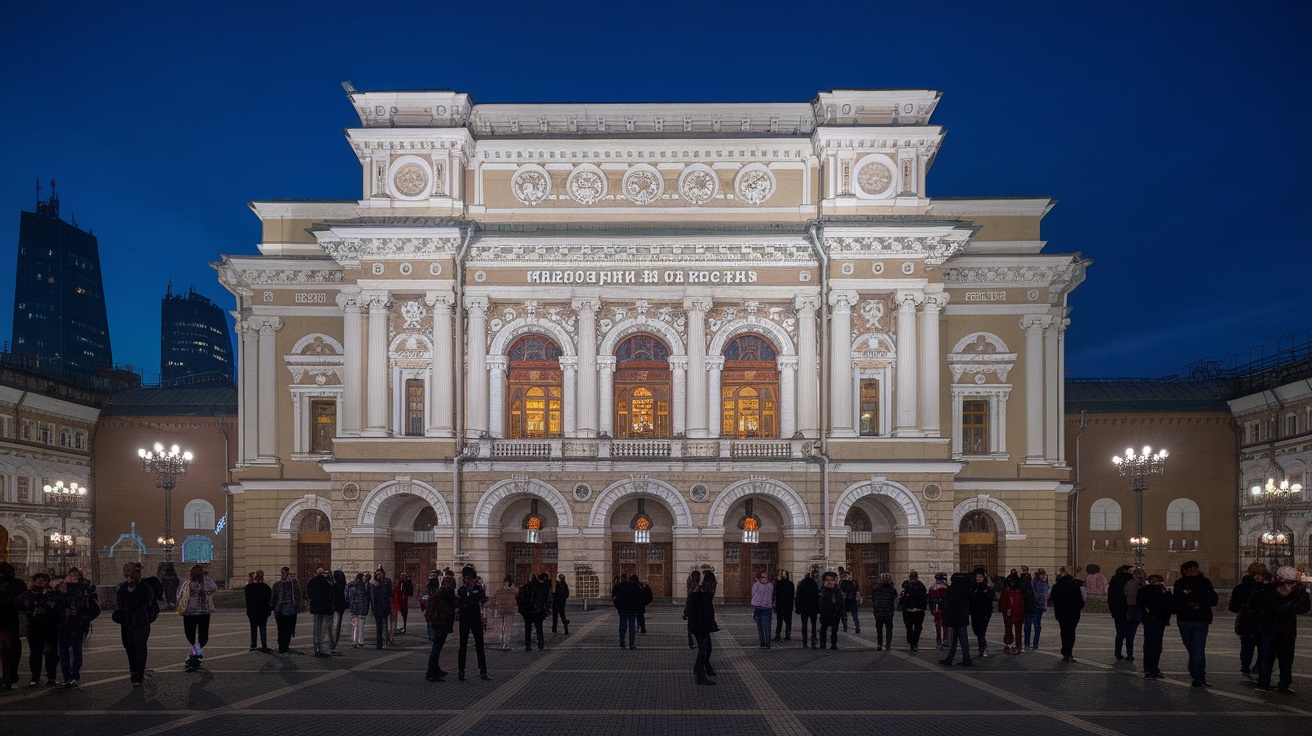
(353, 347)
(714, 366)
(1061, 390)
(476, 366)
(697, 396)
(678, 397)
(496, 395)
(930, 390)
(377, 379)
(249, 360)
(787, 404)
(907, 423)
(808, 357)
(1051, 393)
(569, 366)
(606, 394)
(840, 368)
(441, 386)
(1033, 326)
(587, 375)
(268, 408)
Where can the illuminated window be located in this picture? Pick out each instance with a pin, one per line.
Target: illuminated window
(535, 384)
(749, 389)
(414, 407)
(975, 427)
(642, 388)
(323, 414)
(869, 407)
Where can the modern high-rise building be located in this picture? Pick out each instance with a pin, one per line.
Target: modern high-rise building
(59, 302)
(195, 346)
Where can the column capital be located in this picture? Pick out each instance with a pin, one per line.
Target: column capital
(701, 304)
(842, 301)
(677, 362)
(444, 297)
(607, 362)
(268, 324)
(586, 303)
(807, 302)
(476, 305)
(376, 299)
(934, 303)
(1035, 322)
(714, 362)
(788, 362)
(497, 362)
(908, 300)
(349, 300)
(567, 362)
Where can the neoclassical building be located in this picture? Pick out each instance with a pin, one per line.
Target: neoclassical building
(647, 338)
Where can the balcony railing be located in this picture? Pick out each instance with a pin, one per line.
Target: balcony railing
(517, 448)
(640, 449)
(761, 449)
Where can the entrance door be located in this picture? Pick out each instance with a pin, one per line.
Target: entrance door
(415, 560)
(742, 564)
(867, 562)
(523, 559)
(653, 563)
(313, 550)
(978, 543)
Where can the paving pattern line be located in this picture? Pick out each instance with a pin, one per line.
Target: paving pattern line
(781, 719)
(484, 707)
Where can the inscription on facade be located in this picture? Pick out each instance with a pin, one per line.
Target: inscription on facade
(643, 276)
(986, 296)
(311, 297)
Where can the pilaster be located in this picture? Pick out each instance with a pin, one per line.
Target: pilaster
(907, 423)
(476, 398)
(268, 404)
(840, 369)
(696, 309)
(379, 306)
(441, 400)
(808, 354)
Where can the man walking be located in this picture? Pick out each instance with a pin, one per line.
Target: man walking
(380, 602)
(286, 604)
(627, 597)
(1117, 607)
(1154, 602)
(469, 600)
(558, 600)
(320, 592)
(259, 602)
(1067, 602)
(136, 610)
(1194, 598)
(784, 597)
(40, 606)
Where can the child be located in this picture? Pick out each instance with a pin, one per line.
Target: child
(831, 609)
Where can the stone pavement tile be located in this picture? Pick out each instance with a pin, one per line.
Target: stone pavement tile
(404, 689)
(927, 691)
(1094, 691)
(707, 723)
(306, 724)
(1192, 724)
(550, 691)
(101, 724)
(974, 723)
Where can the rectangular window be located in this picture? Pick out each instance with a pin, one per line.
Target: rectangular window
(869, 407)
(25, 430)
(975, 427)
(414, 407)
(24, 489)
(46, 434)
(323, 414)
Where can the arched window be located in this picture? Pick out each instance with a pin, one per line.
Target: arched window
(535, 388)
(1182, 515)
(314, 522)
(642, 388)
(1105, 516)
(199, 514)
(749, 388)
(426, 520)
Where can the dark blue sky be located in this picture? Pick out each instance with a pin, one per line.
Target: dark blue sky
(1174, 135)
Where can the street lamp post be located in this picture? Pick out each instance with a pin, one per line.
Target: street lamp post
(65, 498)
(63, 543)
(168, 466)
(1138, 468)
(1277, 498)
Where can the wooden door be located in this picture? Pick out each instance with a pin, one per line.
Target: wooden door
(313, 550)
(653, 563)
(524, 559)
(414, 559)
(979, 555)
(867, 562)
(742, 564)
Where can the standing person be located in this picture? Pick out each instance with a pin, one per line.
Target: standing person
(1255, 581)
(694, 583)
(402, 591)
(41, 607)
(135, 610)
(982, 597)
(1011, 604)
(914, 599)
(169, 583)
(340, 607)
(504, 606)
(1278, 607)
(559, 597)
(832, 605)
(259, 604)
(956, 618)
(440, 613)
(11, 646)
(1095, 583)
(884, 600)
(1194, 598)
(1117, 608)
(627, 597)
(851, 599)
(784, 597)
(1133, 616)
(470, 598)
(644, 598)
(701, 624)
(532, 600)
(78, 607)
(762, 608)
(1034, 617)
(380, 603)
(808, 607)
(1154, 602)
(320, 592)
(357, 599)
(1067, 602)
(197, 602)
(937, 597)
(286, 603)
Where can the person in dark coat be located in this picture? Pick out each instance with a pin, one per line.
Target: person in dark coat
(832, 606)
(1154, 602)
(41, 607)
(259, 604)
(808, 607)
(1118, 609)
(11, 646)
(645, 598)
(701, 624)
(340, 607)
(1194, 598)
(913, 599)
(627, 597)
(883, 599)
(558, 599)
(1278, 606)
(470, 597)
(136, 608)
(532, 604)
(956, 618)
(380, 604)
(1067, 602)
(440, 613)
(79, 605)
(1255, 580)
(320, 592)
(694, 583)
(286, 606)
(851, 599)
(784, 596)
(982, 597)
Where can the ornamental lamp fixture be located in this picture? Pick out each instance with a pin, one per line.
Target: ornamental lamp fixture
(167, 466)
(1138, 468)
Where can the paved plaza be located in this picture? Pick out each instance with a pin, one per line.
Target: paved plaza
(584, 683)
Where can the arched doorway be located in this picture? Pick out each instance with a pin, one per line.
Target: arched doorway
(642, 388)
(642, 544)
(314, 544)
(528, 533)
(977, 542)
(869, 542)
(752, 531)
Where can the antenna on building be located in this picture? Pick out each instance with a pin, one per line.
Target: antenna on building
(170, 291)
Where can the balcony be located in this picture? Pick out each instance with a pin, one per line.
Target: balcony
(640, 448)
(605, 448)
(756, 449)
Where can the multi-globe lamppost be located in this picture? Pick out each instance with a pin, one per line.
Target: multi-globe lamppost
(1138, 468)
(65, 498)
(1277, 498)
(168, 466)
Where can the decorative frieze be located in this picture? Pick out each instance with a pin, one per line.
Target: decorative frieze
(349, 251)
(935, 249)
(586, 254)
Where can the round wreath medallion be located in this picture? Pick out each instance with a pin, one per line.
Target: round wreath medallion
(698, 184)
(586, 185)
(643, 184)
(874, 178)
(755, 184)
(531, 184)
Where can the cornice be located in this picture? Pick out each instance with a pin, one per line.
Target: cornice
(236, 273)
(934, 248)
(348, 246)
(546, 252)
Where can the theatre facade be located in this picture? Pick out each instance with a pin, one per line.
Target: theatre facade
(647, 338)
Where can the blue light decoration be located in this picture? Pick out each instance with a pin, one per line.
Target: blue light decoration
(222, 523)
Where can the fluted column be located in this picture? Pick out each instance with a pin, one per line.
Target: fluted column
(1052, 418)
(268, 407)
(1033, 326)
(569, 366)
(441, 394)
(476, 366)
(606, 394)
(907, 422)
(930, 389)
(808, 361)
(352, 420)
(714, 367)
(496, 395)
(249, 361)
(1061, 389)
(587, 376)
(840, 360)
(787, 403)
(377, 380)
(679, 394)
(696, 308)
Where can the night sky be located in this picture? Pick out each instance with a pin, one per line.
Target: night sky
(1174, 135)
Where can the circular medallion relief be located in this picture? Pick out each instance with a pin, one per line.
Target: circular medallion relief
(406, 269)
(908, 268)
(700, 493)
(376, 269)
(434, 269)
(804, 276)
(480, 276)
(932, 492)
(531, 184)
(874, 177)
(643, 184)
(410, 180)
(582, 492)
(351, 491)
(877, 267)
(586, 184)
(698, 184)
(754, 183)
(848, 268)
